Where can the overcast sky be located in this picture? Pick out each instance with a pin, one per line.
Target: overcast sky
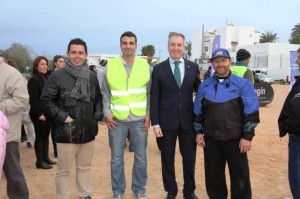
(47, 26)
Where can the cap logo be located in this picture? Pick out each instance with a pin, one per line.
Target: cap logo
(219, 53)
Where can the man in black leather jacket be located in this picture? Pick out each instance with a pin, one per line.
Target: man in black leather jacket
(289, 123)
(72, 98)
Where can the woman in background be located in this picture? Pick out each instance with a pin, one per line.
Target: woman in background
(93, 68)
(42, 124)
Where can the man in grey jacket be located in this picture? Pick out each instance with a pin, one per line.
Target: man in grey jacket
(13, 98)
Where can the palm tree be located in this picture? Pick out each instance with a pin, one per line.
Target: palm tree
(148, 51)
(188, 50)
(295, 35)
(268, 37)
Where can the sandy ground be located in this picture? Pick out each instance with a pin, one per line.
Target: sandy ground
(268, 164)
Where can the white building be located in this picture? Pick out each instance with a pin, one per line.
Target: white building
(231, 37)
(272, 57)
(94, 59)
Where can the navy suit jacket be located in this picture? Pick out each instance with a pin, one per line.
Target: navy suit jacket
(171, 105)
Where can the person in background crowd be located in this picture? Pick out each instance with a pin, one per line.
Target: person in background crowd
(289, 123)
(73, 100)
(103, 62)
(13, 98)
(207, 74)
(26, 121)
(173, 84)
(41, 121)
(240, 67)
(23, 132)
(125, 88)
(226, 112)
(58, 62)
(93, 68)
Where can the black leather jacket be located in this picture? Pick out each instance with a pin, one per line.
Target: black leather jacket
(289, 118)
(58, 104)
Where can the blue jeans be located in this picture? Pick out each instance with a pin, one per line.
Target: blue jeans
(138, 137)
(294, 165)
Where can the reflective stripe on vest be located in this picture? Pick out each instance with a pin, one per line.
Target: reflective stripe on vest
(128, 93)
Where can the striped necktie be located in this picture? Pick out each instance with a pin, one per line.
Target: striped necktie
(177, 74)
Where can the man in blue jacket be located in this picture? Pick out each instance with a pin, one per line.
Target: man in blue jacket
(226, 112)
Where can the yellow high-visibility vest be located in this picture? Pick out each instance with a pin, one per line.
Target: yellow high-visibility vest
(239, 70)
(128, 93)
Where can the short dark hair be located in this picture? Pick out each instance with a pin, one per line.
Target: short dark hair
(36, 63)
(92, 67)
(171, 34)
(77, 41)
(103, 62)
(298, 51)
(128, 34)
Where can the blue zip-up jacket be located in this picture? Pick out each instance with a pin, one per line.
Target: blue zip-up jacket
(226, 110)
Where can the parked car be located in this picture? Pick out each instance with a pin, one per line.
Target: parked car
(261, 77)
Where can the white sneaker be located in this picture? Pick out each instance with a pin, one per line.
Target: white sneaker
(141, 196)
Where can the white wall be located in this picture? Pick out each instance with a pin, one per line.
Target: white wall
(275, 57)
(231, 38)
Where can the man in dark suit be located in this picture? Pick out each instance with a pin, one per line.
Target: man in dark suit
(173, 84)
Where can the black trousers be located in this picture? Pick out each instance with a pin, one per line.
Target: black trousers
(16, 184)
(42, 129)
(187, 147)
(216, 154)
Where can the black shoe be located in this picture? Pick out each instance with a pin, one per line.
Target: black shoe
(171, 196)
(48, 161)
(43, 165)
(89, 197)
(190, 196)
(29, 145)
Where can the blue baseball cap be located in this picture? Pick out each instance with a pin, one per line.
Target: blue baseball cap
(220, 52)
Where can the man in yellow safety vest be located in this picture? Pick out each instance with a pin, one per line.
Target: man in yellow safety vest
(125, 88)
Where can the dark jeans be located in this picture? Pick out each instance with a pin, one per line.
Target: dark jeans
(187, 147)
(216, 154)
(294, 165)
(16, 184)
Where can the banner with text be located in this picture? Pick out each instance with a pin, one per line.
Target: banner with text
(264, 92)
